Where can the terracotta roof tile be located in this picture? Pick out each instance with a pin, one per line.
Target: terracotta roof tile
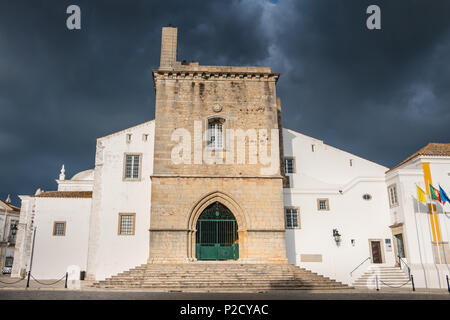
(65, 194)
(13, 208)
(431, 149)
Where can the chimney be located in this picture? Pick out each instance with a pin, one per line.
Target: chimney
(168, 47)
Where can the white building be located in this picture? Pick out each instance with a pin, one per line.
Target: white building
(419, 236)
(344, 214)
(9, 220)
(329, 189)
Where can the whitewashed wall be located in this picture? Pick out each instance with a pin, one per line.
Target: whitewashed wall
(416, 223)
(323, 174)
(110, 253)
(53, 254)
(23, 239)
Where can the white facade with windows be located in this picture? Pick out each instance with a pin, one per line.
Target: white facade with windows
(100, 219)
(418, 236)
(9, 222)
(328, 188)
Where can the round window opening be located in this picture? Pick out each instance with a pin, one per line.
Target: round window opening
(367, 196)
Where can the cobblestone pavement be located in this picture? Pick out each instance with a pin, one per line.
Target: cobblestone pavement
(11, 288)
(65, 294)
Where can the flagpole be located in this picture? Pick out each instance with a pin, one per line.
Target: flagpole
(436, 223)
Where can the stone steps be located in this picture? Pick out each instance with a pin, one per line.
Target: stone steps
(387, 276)
(220, 276)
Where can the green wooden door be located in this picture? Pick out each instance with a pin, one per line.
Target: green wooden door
(217, 234)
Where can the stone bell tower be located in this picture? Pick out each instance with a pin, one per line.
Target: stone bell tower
(217, 140)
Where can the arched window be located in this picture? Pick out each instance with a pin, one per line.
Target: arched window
(215, 133)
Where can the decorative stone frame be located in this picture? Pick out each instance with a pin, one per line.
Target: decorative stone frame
(398, 229)
(232, 205)
(382, 248)
(54, 229)
(327, 203)
(223, 121)
(121, 214)
(139, 178)
(299, 225)
(391, 205)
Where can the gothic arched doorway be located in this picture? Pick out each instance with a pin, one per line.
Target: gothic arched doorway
(217, 234)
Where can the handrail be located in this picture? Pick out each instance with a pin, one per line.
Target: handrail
(400, 260)
(368, 258)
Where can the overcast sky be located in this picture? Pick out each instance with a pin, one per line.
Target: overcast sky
(380, 94)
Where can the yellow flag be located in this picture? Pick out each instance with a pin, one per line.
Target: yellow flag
(421, 195)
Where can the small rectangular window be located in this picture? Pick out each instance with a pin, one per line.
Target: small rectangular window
(289, 165)
(323, 204)
(132, 166)
(59, 228)
(127, 224)
(128, 137)
(9, 262)
(215, 136)
(393, 199)
(292, 219)
(144, 137)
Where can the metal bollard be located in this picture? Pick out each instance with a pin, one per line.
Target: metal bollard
(448, 284)
(412, 282)
(28, 280)
(376, 278)
(65, 285)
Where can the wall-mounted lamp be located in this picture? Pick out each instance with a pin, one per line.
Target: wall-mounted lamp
(336, 236)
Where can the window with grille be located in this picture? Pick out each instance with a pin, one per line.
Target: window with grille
(393, 200)
(126, 224)
(132, 166)
(323, 204)
(215, 134)
(292, 218)
(289, 165)
(59, 228)
(9, 262)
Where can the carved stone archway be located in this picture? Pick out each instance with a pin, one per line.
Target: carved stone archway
(233, 206)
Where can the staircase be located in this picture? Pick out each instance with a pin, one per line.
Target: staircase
(392, 276)
(200, 276)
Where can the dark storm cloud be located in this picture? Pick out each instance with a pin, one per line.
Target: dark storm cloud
(379, 94)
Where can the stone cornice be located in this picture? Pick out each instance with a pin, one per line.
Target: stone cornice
(214, 75)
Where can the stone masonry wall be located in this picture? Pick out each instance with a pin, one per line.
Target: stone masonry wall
(245, 98)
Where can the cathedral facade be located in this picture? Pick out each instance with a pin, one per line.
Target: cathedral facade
(215, 177)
